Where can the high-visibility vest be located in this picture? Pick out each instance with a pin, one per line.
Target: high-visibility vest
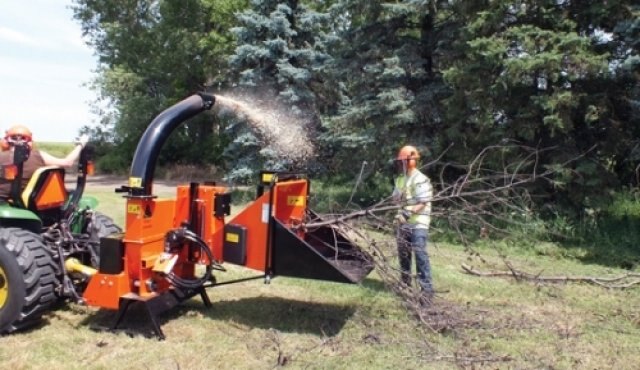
(413, 190)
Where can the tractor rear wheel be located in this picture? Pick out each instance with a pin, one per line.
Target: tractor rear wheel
(27, 279)
(105, 225)
(101, 226)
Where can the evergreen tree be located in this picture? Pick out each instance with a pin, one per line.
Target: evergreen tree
(373, 75)
(539, 73)
(280, 55)
(618, 32)
(385, 69)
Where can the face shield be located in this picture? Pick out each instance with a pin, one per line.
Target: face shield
(18, 140)
(399, 167)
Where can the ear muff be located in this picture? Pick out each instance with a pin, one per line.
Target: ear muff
(4, 145)
(412, 162)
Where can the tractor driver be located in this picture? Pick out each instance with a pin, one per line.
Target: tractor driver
(19, 134)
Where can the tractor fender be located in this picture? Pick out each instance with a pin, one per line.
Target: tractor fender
(17, 217)
(88, 202)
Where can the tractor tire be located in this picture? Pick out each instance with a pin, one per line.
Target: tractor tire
(27, 279)
(105, 225)
(102, 226)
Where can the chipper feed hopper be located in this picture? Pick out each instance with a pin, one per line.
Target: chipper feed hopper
(170, 247)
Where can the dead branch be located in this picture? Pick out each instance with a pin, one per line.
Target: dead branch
(605, 282)
(476, 193)
(475, 197)
(469, 360)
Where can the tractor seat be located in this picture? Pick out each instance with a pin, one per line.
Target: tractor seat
(45, 189)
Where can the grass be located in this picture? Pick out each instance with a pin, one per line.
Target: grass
(54, 148)
(317, 325)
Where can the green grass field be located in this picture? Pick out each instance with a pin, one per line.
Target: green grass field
(495, 323)
(55, 149)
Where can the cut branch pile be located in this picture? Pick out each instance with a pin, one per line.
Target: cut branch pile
(476, 200)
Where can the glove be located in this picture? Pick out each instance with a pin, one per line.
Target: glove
(402, 217)
(83, 140)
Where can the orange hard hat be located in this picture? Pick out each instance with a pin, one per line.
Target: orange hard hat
(19, 130)
(16, 133)
(409, 154)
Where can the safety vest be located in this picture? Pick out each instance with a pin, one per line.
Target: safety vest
(413, 190)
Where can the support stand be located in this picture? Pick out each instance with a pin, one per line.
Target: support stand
(154, 305)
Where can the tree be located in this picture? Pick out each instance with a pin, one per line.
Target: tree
(280, 56)
(367, 77)
(152, 54)
(536, 72)
(457, 77)
(384, 70)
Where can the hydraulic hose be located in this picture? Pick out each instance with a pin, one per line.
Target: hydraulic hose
(175, 239)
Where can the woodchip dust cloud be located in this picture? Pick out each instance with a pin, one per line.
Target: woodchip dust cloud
(278, 129)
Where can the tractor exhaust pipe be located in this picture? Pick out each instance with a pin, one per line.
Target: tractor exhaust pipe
(144, 160)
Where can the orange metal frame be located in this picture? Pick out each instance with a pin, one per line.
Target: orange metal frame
(288, 204)
(147, 222)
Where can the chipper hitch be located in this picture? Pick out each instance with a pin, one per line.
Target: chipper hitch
(153, 263)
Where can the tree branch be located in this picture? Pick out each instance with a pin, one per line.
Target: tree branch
(605, 282)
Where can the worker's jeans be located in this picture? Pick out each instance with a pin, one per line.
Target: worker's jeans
(414, 241)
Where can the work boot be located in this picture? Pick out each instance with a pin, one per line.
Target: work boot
(406, 280)
(426, 300)
(426, 297)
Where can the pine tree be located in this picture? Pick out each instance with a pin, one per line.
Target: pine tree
(539, 73)
(280, 55)
(383, 66)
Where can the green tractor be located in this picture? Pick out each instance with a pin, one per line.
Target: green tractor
(49, 240)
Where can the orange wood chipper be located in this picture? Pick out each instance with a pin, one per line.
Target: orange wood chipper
(171, 247)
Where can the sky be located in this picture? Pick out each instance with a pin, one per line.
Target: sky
(44, 67)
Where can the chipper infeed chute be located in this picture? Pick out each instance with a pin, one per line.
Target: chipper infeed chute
(324, 253)
(269, 236)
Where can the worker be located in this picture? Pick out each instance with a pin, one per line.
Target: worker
(21, 135)
(413, 191)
